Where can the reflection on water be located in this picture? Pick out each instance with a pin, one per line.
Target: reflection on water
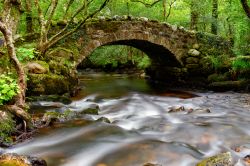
(142, 130)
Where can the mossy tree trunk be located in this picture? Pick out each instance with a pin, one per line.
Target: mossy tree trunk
(29, 17)
(194, 16)
(6, 27)
(214, 26)
(246, 7)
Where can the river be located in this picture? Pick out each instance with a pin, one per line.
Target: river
(146, 126)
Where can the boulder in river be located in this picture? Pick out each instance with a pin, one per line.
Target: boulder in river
(92, 109)
(103, 119)
(223, 159)
(150, 164)
(12, 159)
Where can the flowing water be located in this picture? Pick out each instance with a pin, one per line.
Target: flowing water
(146, 126)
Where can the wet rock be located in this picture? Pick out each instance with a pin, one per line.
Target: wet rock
(93, 109)
(199, 111)
(194, 52)
(50, 118)
(223, 159)
(150, 164)
(103, 119)
(36, 68)
(176, 109)
(12, 159)
(247, 159)
(52, 98)
(230, 85)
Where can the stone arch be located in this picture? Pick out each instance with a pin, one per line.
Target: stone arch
(160, 49)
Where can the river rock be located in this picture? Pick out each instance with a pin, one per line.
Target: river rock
(247, 159)
(150, 164)
(12, 159)
(103, 119)
(92, 109)
(176, 109)
(230, 85)
(199, 111)
(194, 52)
(53, 98)
(223, 159)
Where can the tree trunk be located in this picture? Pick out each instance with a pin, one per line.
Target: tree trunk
(29, 18)
(20, 98)
(164, 5)
(12, 9)
(246, 7)
(214, 26)
(194, 19)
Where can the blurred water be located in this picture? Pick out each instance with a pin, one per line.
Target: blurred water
(142, 130)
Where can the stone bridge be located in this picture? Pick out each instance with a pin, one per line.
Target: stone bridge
(174, 51)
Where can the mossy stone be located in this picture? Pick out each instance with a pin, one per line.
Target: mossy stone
(223, 159)
(47, 84)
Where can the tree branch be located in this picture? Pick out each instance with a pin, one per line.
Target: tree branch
(246, 7)
(147, 4)
(60, 35)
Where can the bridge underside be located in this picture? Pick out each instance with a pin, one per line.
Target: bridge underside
(158, 54)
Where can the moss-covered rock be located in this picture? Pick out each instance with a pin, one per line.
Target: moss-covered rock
(37, 67)
(218, 77)
(230, 85)
(7, 125)
(54, 98)
(223, 159)
(92, 109)
(11, 159)
(45, 84)
(103, 119)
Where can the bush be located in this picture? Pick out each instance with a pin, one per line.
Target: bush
(8, 88)
(25, 54)
(240, 64)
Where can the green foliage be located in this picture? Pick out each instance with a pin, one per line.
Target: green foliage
(8, 88)
(240, 64)
(115, 56)
(216, 62)
(25, 54)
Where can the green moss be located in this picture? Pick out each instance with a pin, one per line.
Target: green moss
(43, 64)
(7, 125)
(58, 68)
(218, 77)
(12, 163)
(224, 159)
(47, 84)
